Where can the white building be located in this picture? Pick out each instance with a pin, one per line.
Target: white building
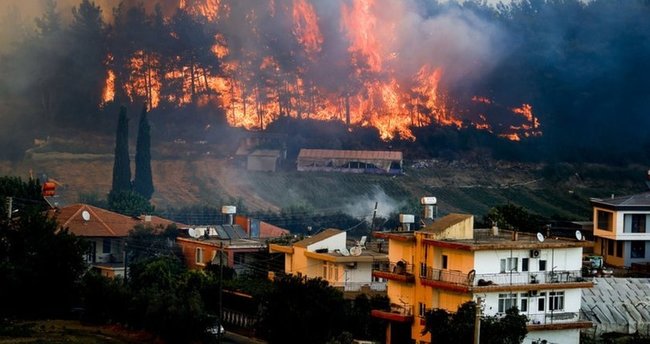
(621, 229)
(328, 255)
(449, 263)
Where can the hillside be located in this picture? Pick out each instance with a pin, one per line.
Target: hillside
(558, 191)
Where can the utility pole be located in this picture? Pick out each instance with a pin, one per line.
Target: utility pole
(219, 316)
(10, 202)
(374, 214)
(477, 322)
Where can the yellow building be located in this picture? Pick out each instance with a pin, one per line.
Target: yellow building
(449, 263)
(328, 255)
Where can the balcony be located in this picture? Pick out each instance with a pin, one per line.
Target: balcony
(556, 320)
(399, 313)
(400, 271)
(461, 282)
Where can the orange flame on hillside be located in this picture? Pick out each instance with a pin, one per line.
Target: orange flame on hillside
(256, 90)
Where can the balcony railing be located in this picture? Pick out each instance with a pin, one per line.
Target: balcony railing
(556, 317)
(398, 312)
(401, 271)
(508, 278)
(356, 286)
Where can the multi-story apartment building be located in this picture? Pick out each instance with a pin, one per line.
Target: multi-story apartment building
(449, 263)
(328, 255)
(621, 229)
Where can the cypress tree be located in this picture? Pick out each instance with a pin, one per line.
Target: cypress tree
(122, 165)
(143, 183)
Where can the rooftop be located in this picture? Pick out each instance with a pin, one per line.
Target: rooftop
(633, 201)
(330, 232)
(618, 305)
(349, 154)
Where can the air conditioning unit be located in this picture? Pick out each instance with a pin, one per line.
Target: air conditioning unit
(534, 253)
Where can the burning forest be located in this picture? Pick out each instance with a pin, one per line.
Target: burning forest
(394, 66)
(358, 62)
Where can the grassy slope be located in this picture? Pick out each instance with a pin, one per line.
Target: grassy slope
(460, 187)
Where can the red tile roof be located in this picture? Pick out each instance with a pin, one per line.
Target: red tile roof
(102, 222)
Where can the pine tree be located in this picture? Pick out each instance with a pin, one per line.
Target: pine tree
(122, 165)
(143, 183)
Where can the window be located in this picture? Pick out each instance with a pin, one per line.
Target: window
(619, 249)
(238, 258)
(444, 261)
(523, 303)
(541, 302)
(423, 269)
(556, 301)
(524, 264)
(638, 223)
(422, 309)
(106, 246)
(638, 249)
(509, 264)
(604, 220)
(199, 255)
(610, 247)
(507, 301)
(542, 265)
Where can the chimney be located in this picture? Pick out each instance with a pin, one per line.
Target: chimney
(229, 210)
(147, 218)
(406, 220)
(429, 203)
(495, 229)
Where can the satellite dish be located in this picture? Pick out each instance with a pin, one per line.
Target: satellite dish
(578, 235)
(85, 215)
(192, 232)
(540, 237)
(355, 251)
(345, 252)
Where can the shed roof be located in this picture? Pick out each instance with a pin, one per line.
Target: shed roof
(446, 222)
(349, 154)
(330, 232)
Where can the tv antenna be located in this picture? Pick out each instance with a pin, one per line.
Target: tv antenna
(540, 237)
(85, 215)
(192, 232)
(355, 251)
(579, 235)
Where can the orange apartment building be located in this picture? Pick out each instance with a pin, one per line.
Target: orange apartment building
(449, 263)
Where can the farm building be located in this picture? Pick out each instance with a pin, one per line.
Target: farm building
(354, 161)
(263, 160)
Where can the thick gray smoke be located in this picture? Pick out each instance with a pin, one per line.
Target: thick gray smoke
(363, 206)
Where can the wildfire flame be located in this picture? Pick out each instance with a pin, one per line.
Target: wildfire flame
(256, 90)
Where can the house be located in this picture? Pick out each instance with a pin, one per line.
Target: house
(329, 256)
(621, 231)
(241, 245)
(105, 231)
(448, 263)
(355, 161)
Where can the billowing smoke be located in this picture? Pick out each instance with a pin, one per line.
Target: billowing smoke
(363, 206)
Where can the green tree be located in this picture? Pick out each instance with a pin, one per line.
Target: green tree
(143, 183)
(35, 252)
(146, 242)
(167, 299)
(121, 165)
(459, 327)
(296, 309)
(129, 203)
(513, 217)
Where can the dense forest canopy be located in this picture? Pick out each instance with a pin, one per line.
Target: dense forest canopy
(567, 78)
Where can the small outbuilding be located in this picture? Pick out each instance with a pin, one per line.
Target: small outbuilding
(355, 161)
(263, 160)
